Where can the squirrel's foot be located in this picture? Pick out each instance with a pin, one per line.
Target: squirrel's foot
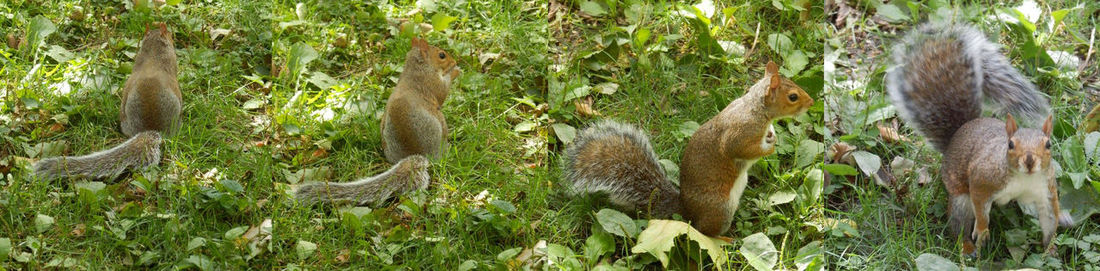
(970, 250)
(1052, 250)
(1065, 219)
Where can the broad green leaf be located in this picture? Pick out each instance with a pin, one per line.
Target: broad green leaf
(780, 43)
(235, 232)
(564, 132)
(5, 248)
(659, 237)
(933, 262)
(196, 242)
(607, 88)
(759, 252)
(808, 151)
(59, 54)
(322, 80)
(93, 187)
(781, 197)
(40, 27)
(592, 8)
(810, 257)
(869, 163)
(1091, 141)
(304, 249)
(299, 56)
(43, 222)
(441, 21)
(687, 129)
(840, 169)
(616, 223)
(508, 254)
(892, 13)
(597, 245)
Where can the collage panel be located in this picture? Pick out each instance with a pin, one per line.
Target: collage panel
(128, 85)
(688, 136)
(961, 134)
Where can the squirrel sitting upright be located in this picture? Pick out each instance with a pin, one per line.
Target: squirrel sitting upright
(413, 131)
(151, 104)
(618, 159)
(942, 74)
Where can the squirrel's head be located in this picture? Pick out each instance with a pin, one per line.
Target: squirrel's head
(782, 97)
(157, 33)
(1028, 148)
(436, 60)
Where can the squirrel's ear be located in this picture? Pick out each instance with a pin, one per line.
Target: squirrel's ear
(772, 68)
(146, 28)
(163, 29)
(1048, 126)
(1010, 125)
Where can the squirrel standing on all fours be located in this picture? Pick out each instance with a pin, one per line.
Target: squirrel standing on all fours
(618, 160)
(942, 74)
(151, 104)
(413, 130)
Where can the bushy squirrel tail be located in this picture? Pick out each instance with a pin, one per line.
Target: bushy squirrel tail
(409, 174)
(140, 151)
(942, 73)
(618, 160)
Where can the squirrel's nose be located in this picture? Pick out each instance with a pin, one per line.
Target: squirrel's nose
(1029, 162)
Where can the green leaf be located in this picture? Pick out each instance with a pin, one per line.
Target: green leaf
(196, 242)
(808, 151)
(780, 43)
(173, 2)
(840, 169)
(616, 223)
(933, 262)
(322, 80)
(869, 163)
(607, 88)
(508, 254)
(759, 252)
(304, 249)
(659, 237)
(565, 133)
(299, 56)
(597, 245)
(810, 257)
(892, 13)
(592, 8)
(40, 27)
(231, 185)
(93, 187)
(43, 222)
(686, 129)
(5, 248)
(441, 21)
(235, 232)
(781, 197)
(59, 54)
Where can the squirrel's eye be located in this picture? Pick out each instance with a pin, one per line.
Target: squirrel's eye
(442, 55)
(793, 97)
(1011, 145)
(1048, 144)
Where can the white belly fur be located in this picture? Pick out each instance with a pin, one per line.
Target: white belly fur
(738, 188)
(1025, 189)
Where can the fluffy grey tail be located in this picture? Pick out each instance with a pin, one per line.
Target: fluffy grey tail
(140, 151)
(942, 72)
(407, 175)
(618, 160)
(961, 216)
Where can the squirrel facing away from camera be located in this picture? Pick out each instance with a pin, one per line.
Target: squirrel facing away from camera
(151, 104)
(943, 72)
(413, 131)
(618, 160)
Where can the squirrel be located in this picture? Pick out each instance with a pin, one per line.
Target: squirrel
(413, 128)
(618, 160)
(942, 74)
(151, 105)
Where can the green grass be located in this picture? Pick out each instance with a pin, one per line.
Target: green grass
(293, 92)
(889, 225)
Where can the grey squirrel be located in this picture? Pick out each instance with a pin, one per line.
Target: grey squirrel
(413, 127)
(942, 74)
(151, 104)
(618, 160)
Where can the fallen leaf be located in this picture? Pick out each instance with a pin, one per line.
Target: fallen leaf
(78, 230)
(584, 107)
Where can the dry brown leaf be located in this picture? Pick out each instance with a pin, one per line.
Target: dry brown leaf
(78, 230)
(839, 151)
(343, 256)
(584, 107)
(890, 133)
(922, 176)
